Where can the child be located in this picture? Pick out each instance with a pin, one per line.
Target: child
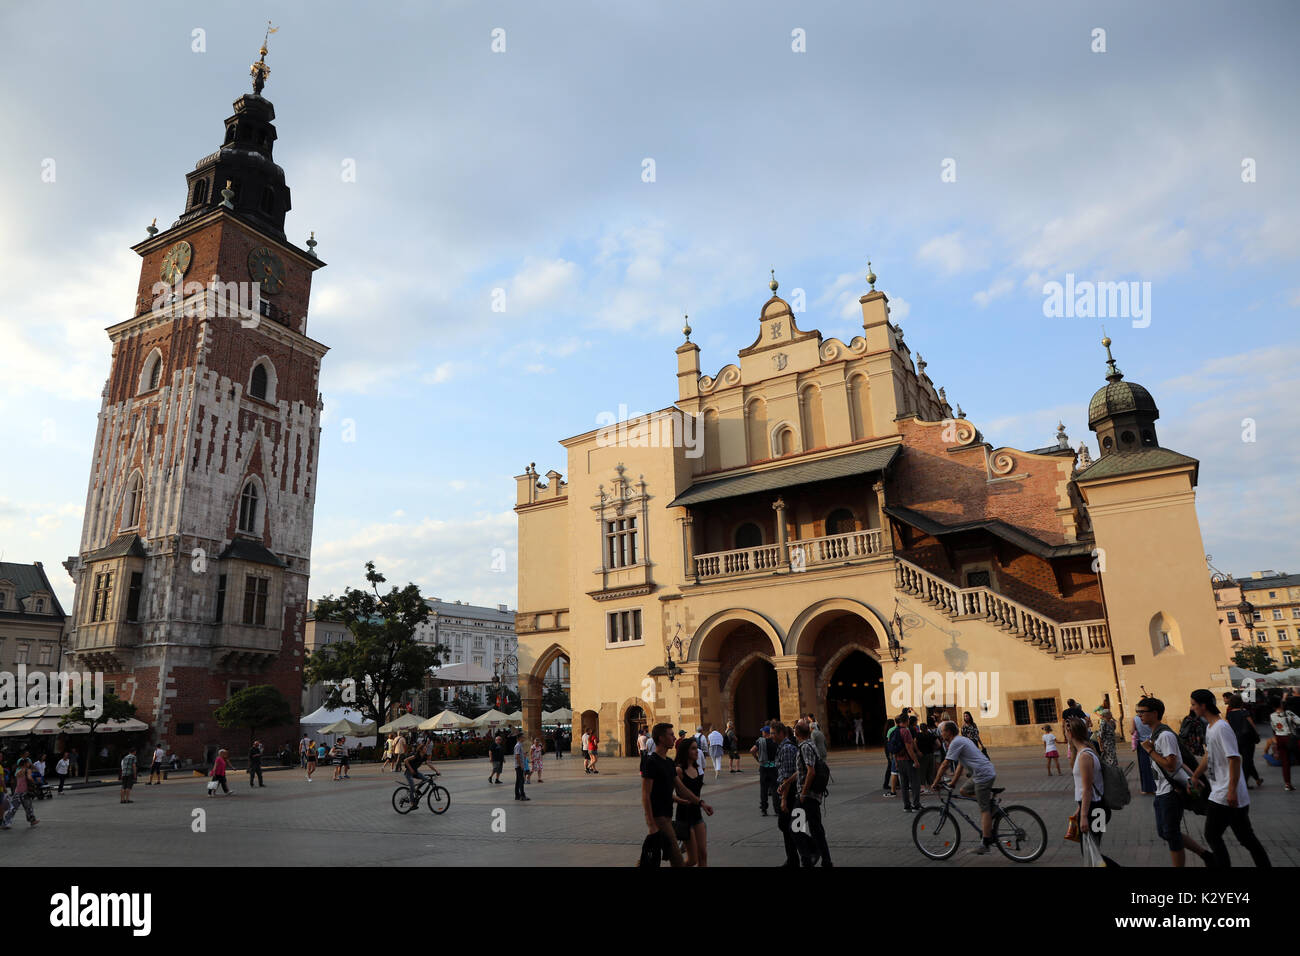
(1049, 740)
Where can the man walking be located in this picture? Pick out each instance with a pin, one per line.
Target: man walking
(155, 766)
(497, 754)
(787, 761)
(255, 763)
(302, 751)
(818, 738)
(716, 745)
(1286, 729)
(764, 751)
(586, 752)
(1229, 799)
(807, 796)
(902, 747)
(659, 782)
(1167, 757)
(519, 768)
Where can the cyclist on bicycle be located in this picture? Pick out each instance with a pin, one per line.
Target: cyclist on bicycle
(963, 755)
(411, 765)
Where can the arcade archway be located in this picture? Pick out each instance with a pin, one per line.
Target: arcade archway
(855, 691)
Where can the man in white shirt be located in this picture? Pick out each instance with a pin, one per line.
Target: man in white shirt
(586, 754)
(716, 744)
(1229, 799)
(1162, 747)
(156, 764)
(702, 754)
(962, 755)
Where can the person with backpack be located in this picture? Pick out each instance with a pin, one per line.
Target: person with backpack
(890, 783)
(808, 784)
(1191, 733)
(1229, 804)
(964, 757)
(1243, 725)
(902, 748)
(1172, 783)
(1286, 730)
(1090, 781)
(1139, 735)
(927, 744)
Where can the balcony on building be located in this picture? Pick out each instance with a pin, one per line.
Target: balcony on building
(787, 518)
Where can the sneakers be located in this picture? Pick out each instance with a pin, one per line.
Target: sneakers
(981, 850)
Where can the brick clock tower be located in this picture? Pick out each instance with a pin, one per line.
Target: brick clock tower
(191, 580)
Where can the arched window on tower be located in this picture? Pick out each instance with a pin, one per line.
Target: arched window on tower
(248, 502)
(749, 535)
(131, 506)
(257, 385)
(151, 374)
(840, 521)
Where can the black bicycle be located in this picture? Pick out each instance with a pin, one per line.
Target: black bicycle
(1017, 830)
(437, 798)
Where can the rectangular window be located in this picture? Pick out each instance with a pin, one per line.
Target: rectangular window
(23, 649)
(624, 627)
(1286, 658)
(620, 542)
(133, 596)
(1021, 710)
(47, 654)
(1235, 633)
(1281, 635)
(977, 579)
(1295, 611)
(1232, 617)
(102, 599)
(478, 642)
(1277, 614)
(221, 599)
(1044, 710)
(255, 591)
(185, 730)
(3, 596)
(1261, 637)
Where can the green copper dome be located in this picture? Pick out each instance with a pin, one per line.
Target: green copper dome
(1120, 396)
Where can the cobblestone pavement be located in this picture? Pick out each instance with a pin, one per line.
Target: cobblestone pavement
(572, 819)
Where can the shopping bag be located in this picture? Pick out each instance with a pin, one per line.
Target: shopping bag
(212, 786)
(1091, 852)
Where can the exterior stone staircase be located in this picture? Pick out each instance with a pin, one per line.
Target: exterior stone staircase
(982, 603)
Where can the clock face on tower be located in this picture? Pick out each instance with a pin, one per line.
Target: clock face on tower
(265, 267)
(175, 262)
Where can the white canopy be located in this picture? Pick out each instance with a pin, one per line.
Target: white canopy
(405, 722)
(447, 720)
(561, 716)
(462, 673)
(45, 720)
(493, 718)
(323, 716)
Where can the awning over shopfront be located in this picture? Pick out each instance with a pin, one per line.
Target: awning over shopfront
(787, 476)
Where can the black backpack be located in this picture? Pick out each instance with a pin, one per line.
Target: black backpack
(895, 745)
(821, 777)
(1184, 751)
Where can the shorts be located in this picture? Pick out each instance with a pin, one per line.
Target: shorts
(155, 768)
(497, 765)
(128, 782)
(1169, 819)
(983, 792)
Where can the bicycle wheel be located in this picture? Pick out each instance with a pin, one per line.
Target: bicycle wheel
(439, 798)
(402, 801)
(935, 833)
(1020, 834)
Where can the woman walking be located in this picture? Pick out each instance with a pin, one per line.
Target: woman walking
(1089, 787)
(592, 754)
(535, 758)
(969, 729)
(690, 827)
(733, 747)
(61, 770)
(388, 751)
(1243, 725)
(311, 759)
(22, 795)
(219, 773)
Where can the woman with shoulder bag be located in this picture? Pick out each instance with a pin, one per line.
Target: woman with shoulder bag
(1089, 791)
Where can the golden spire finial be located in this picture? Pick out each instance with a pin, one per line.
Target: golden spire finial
(686, 327)
(259, 71)
(871, 276)
(773, 285)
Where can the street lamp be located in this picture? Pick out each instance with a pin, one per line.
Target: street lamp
(498, 672)
(896, 637)
(1247, 612)
(671, 665)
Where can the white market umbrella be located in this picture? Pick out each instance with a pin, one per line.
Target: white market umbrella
(45, 720)
(492, 718)
(561, 716)
(447, 720)
(405, 722)
(449, 675)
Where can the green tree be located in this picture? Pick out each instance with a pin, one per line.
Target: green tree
(1254, 658)
(254, 707)
(465, 703)
(384, 660)
(111, 708)
(554, 696)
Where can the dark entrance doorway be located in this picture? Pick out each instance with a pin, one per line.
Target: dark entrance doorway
(633, 723)
(755, 700)
(856, 692)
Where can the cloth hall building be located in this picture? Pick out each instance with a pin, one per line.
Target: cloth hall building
(842, 542)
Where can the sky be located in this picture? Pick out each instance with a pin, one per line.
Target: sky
(973, 153)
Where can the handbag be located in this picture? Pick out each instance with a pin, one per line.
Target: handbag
(212, 786)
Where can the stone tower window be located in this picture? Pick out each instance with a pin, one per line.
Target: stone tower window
(257, 387)
(131, 508)
(200, 192)
(151, 374)
(262, 380)
(248, 502)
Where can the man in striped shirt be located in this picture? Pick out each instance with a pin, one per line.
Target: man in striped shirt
(787, 759)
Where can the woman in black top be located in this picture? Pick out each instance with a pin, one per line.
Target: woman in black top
(690, 826)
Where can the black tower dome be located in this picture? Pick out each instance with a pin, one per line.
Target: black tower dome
(244, 162)
(1123, 414)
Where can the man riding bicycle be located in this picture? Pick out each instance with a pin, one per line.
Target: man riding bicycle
(411, 764)
(962, 754)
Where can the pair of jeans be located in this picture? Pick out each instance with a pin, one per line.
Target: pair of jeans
(16, 800)
(519, 783)
(1220, 817)
(889, 771)
(812, 841)
(909, 781)
(1146, 774)
(783, 823)
(257, 769)
(766, 787)
(410, 780)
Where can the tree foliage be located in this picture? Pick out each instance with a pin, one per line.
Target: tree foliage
(466, 703)
(383, 661)
(254, 707)
(112, 707)
(554, 696)
(1254, 658)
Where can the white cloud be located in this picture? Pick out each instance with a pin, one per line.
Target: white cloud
(998, 289)
(951, 253)
(539, 282)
